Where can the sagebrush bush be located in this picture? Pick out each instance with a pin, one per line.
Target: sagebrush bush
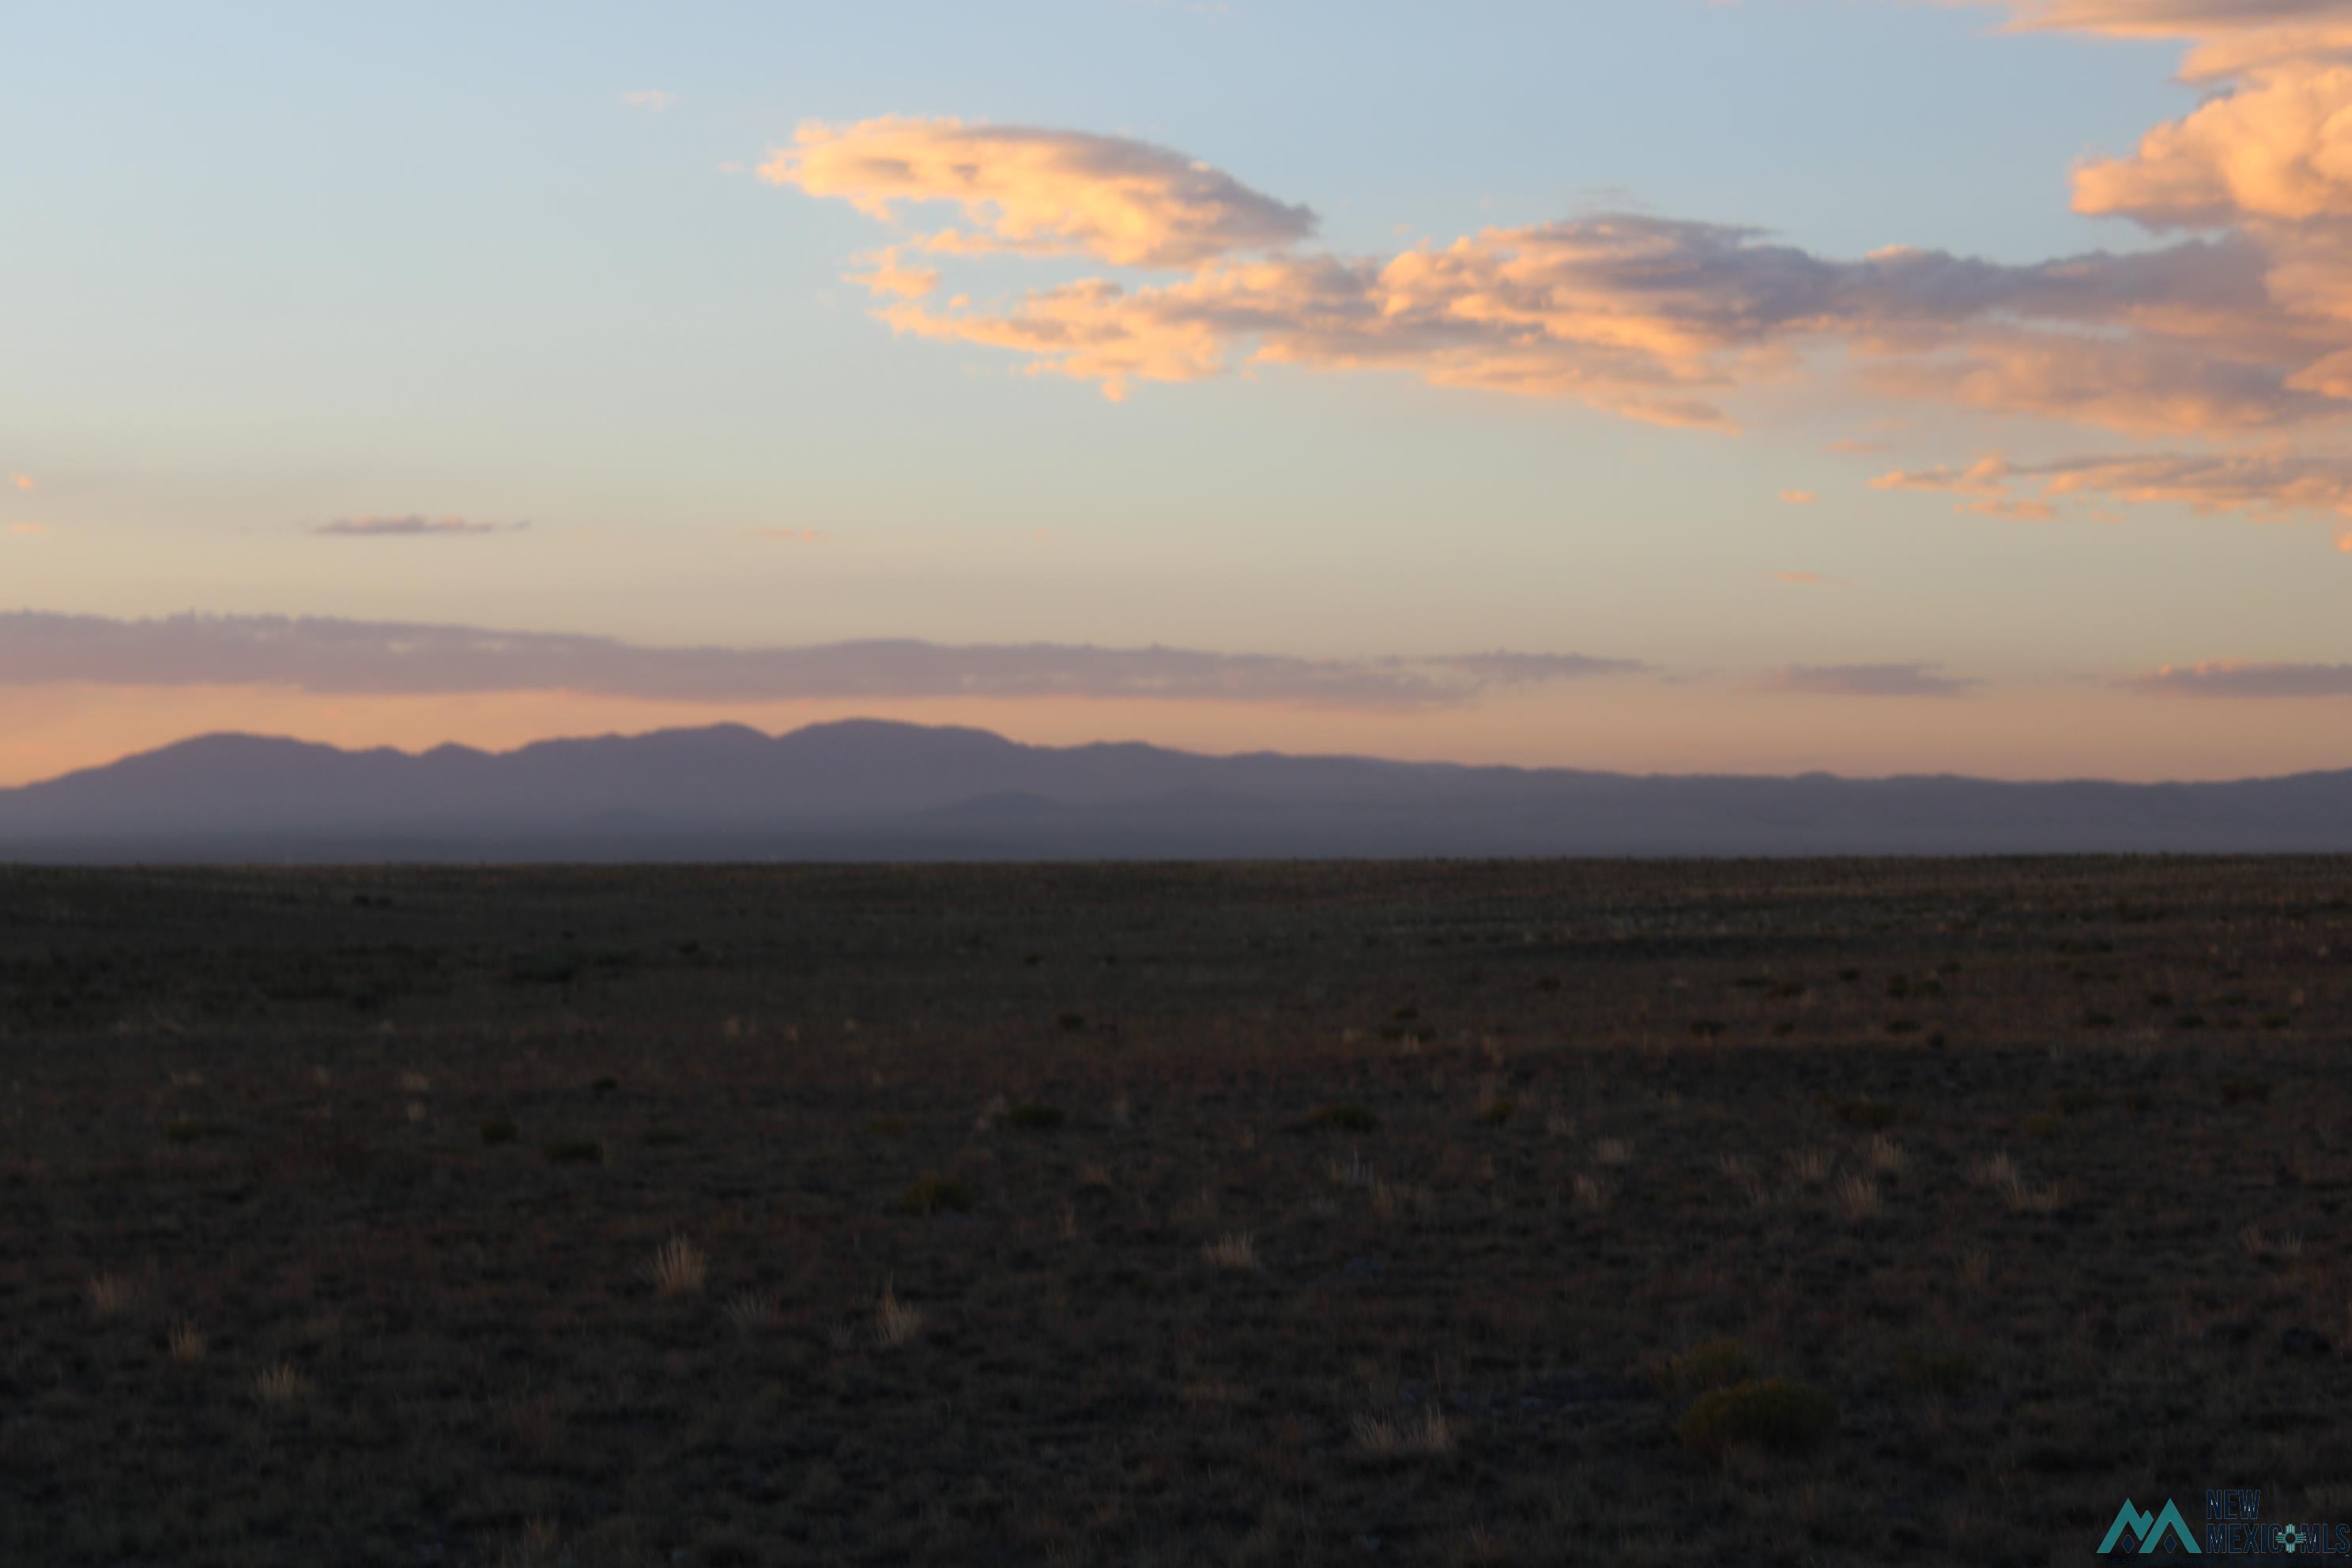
(1774, 1416)
(1343, 1119)
(1703, 1369)
(933, 1195)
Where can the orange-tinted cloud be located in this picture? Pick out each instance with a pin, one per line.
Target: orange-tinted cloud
(650, 99)
(1986, 476)
(2239, 677)
(1800, 498)
(29, 529)
(2279, 147)
(1048, 192)
(2229, 38)
(1806, 579)
(2344, 541)
(21, 481)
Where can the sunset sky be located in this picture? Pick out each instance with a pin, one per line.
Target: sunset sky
(1756, 386)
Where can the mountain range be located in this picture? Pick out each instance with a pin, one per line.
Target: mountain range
(872, 790)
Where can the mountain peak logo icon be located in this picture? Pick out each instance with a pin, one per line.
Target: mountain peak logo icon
(2149, 1529)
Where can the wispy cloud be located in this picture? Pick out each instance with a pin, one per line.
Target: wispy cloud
(2237, 677)
(1042, 191)
(320, 655)
(21, 481)
(29, 529)
(1800, 498)
(411, 526)
(1913, 680)
(1802, 579)
(652, 99)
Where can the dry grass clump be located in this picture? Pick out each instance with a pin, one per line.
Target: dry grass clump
(1858, 1199)
(1590, 1193)
(1425, 1432)
(1884, 1155)
(894, 1323)
(753, 1312)
(680, 1269)
(1392, 1199)
(1235, 1251)
(1355, 1171)
(280, 1384)
(2001, 1174)
(111, 1295)
(1611, 1153)
(1494, 1107)
(184, 1342)
(1811, 1167)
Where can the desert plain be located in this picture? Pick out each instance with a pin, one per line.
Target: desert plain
(1756, 1213)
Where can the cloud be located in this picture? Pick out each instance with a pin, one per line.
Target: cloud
(2344, 541)
(2235, 678)
(1986, 476)
(1800, 498)
(1042, 192)
(1808, 579)
(1868, 680)
(319, 654)
(2230, 37)
(2265, 486)
(411, 526)
(29, 529)
(1651, 317)
(651, 98)
(2280, 147)
(21, 481)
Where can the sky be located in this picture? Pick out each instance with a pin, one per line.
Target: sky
(1873, 386)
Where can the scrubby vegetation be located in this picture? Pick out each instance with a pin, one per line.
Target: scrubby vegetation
(1163, 1215)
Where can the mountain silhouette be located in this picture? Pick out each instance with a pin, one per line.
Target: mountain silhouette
(872, 790)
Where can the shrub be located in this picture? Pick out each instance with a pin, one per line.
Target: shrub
(2043, 1124)
(1497, 1111)
(186, 1129)
(572, 1151)
(1870, 1115)
(933, 1195)
(1035, 1118)
(1774, 1416)
(661, 1138)
(2079, 1101)
(500, 1130)
(1344, 1119)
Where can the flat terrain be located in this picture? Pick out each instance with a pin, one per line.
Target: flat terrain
(1252, 1213)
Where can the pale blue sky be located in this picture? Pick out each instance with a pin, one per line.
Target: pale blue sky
(271, 265)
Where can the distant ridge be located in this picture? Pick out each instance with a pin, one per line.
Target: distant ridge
(867, 789)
